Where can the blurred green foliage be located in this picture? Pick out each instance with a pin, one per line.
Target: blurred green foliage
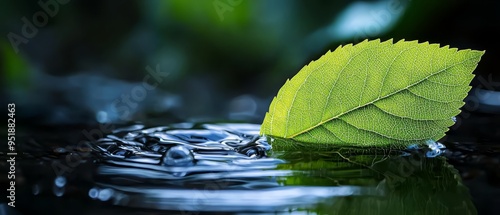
(216, 50)
(15, 67)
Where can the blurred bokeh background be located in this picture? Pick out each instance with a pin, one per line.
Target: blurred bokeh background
(66, 62)
(71, 65)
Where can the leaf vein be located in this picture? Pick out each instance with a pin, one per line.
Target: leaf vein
(377, 99)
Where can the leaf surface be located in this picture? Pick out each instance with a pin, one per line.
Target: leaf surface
(374, 94)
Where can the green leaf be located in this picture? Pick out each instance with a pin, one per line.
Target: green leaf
(374, 94)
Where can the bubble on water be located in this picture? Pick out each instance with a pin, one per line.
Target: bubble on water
(93, 193)
(60, 181)
(434, 148)
(105, 194)
(431, 144)
(178, 156)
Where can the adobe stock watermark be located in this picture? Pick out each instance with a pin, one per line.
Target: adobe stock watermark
(382, 18)
(129, 101)
(223, 6)
(124, 106)
(39, 19)
(406, 167)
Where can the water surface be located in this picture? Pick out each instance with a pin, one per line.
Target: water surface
(227, 168)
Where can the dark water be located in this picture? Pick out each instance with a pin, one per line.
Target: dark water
(229, 169)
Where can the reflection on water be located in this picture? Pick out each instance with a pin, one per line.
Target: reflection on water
(215, 168)
(412, 184)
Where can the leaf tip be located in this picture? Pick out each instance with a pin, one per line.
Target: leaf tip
(390, 41)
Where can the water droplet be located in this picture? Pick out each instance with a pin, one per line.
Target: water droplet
(105, 194)
(178, 156)
(93, 193)
(454, 119)
(434, 148)
(60, 181)
(431, 144)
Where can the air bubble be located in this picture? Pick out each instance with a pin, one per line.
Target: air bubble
(178, 156)
(105, 194)
(93, 193)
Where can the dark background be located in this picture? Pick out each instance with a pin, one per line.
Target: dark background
(219, 59)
